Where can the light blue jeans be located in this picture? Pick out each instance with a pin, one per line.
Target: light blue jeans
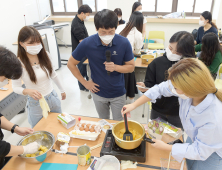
(213, 162)
(35, 111)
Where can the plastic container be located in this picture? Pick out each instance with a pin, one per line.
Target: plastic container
(112, 163)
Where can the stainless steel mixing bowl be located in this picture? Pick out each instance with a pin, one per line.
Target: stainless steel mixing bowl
(43, 138)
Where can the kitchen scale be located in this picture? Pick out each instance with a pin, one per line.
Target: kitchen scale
(111, 148)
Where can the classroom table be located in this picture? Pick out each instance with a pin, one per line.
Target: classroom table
(11, 103)
(52, 125)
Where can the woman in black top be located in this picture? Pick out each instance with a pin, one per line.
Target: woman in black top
(181, 45)
(118, 12)
(206, 26)
(11, 68)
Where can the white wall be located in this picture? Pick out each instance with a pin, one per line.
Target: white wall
(124, 5)
(219, 16)
(12, 18)
(44, 8)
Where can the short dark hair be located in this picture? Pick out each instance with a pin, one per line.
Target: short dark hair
(84, 9)
(106, 19)
(185, 43)
(10, 66)
(135, 5)
(118, 11)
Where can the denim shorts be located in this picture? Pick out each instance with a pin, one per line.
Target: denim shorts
(35, 111)
(213, 162)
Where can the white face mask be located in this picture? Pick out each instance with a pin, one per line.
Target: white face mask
(201, 23)
(87, 18)
(182, 96)
(140, 11)
(3, 83)
(171, 56)
(107, 38)
(34, 50)
(119, 18)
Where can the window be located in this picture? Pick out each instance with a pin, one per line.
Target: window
(148, 6)
(163, 7)
(202, 5)
(58, 5)
(186, 6)
(70, 7)
(91, 3)
(101, 4)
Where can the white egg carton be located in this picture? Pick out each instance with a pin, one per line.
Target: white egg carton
(92, 136)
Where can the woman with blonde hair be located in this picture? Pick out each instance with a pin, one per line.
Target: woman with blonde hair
(200, 114)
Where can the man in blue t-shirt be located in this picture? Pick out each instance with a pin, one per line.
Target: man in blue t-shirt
(107, 90)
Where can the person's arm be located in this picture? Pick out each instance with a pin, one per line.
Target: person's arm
(78, 32)
(207, 141)
(144, 30)
(150, 77)
(144, 27)
(28, 149)
(56, 80)
(198, 47)
(90, 85)
(215, 63)
(17, 88)
(15, 150)
(128, 67)
(7, 125)
(163, 89)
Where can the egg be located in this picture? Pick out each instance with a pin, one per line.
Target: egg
(92, 129)
(93, 126)
(81, 128)
(88, 125)
(83, 124)
(86, 129)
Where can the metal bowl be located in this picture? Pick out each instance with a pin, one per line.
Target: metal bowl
(43, 138)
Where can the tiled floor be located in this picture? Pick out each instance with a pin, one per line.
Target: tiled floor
(76, 103)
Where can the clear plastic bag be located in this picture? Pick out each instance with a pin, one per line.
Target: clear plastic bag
(162, 130)
(174, 165)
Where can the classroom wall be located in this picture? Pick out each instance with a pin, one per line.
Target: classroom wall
(126, 6)
(219, 15)
(12, 18)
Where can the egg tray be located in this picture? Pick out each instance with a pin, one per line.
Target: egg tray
(83, 134)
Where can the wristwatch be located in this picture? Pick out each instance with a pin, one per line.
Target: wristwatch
(13, 128)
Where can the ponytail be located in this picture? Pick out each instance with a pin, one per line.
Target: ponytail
(208, 15)
(218, 93)
(214, 25)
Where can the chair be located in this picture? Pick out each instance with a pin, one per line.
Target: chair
(220, 70)
(218, 83)
(149, 109)
(156, 35)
